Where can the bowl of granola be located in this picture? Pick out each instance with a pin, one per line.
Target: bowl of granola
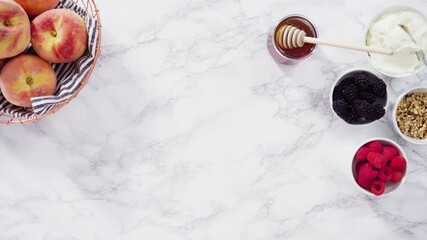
(410, 115)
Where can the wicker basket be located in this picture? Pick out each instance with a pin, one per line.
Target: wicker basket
(92, 12)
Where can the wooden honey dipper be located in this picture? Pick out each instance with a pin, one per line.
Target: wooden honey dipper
(289, 37)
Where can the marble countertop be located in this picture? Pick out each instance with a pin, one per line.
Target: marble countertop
(189, 130)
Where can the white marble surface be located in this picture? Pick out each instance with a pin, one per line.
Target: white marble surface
(189, 130)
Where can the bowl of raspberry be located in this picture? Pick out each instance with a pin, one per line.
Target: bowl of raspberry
(359, 97)
(379, 166)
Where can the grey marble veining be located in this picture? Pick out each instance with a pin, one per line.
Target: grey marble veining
(188, 129)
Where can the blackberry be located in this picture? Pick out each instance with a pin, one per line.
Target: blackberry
(362, 81)
(341, 108)
(363, 108)
(367, 96)
(337, 94)
(352, 117)
(377, 113)
(379, 88)
(349, 92)
(346, 81)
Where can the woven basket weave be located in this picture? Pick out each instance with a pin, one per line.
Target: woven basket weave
(92, 12)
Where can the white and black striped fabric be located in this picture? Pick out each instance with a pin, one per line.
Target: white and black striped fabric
(69, 75)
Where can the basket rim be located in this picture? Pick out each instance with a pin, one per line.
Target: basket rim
(19, 120)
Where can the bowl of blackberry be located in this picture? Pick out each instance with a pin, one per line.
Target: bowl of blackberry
(359, 97)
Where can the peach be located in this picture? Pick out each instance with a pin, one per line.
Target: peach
(25, 77)
(59, 35)
(2, 63)
(36, 7)
(15, 29)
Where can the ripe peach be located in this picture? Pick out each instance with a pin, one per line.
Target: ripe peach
(15, 32)
(2, 63)
(36, 7)
(26, 76)
(59, 35)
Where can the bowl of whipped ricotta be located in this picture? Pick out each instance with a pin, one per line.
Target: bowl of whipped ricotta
(403, 29)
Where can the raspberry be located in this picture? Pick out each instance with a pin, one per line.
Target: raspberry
(375, 146)
(367, 172)
(358, 165)
(396, 176)
(389, 152)
(362, 153)
(377, 159)
(364, 183)
(371, 156)
(377, 187)
(385, 174)
(398, 164)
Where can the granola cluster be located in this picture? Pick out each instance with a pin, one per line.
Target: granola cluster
(412, 115)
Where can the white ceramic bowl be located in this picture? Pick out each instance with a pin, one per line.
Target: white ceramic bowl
(399, 99)
(390, 186)
(331, 94)
(375, 18)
